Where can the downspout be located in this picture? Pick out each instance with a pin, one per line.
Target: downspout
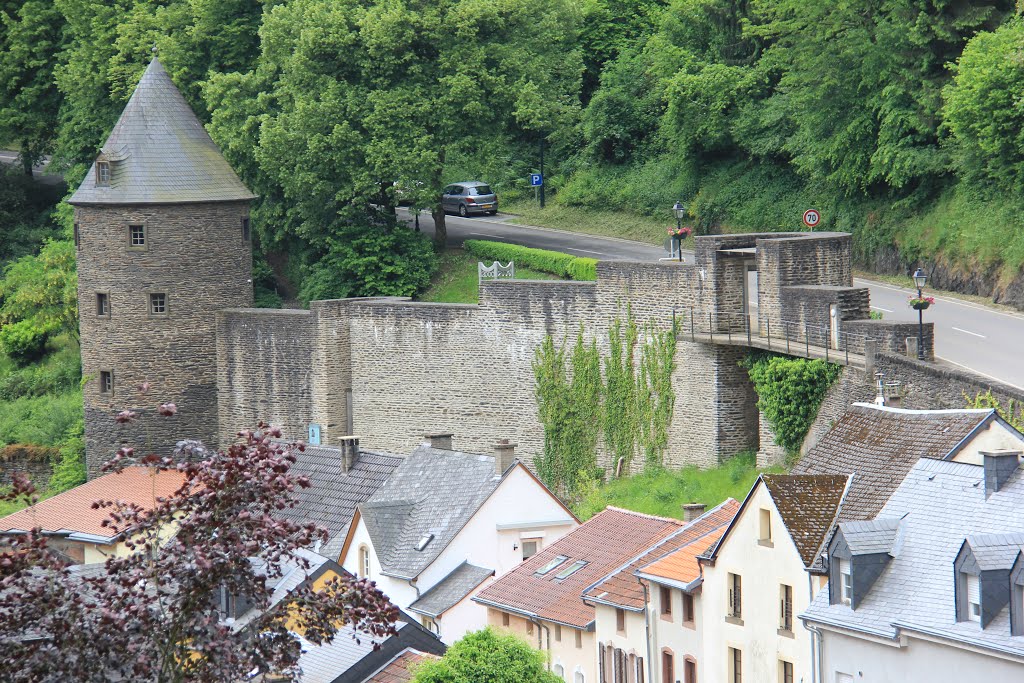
(540, 639)
(647, 626)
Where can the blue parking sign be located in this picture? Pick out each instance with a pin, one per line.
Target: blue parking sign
(536, 179)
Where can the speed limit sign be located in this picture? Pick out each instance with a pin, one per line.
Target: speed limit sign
(811, 218)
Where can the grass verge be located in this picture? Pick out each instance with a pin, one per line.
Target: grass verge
(457, 281)
(664, 492)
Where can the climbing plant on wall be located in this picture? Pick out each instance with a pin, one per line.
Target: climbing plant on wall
(631, 404)
(789, 393)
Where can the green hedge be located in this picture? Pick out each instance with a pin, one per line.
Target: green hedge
(554, 262)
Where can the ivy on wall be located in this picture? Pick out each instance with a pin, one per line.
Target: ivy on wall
(789, 393)
(630, 403)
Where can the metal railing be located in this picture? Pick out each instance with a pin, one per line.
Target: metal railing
(794, 338)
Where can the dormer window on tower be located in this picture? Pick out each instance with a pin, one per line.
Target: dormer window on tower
(103, 173)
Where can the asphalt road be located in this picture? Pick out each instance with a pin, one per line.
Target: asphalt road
(969, 335)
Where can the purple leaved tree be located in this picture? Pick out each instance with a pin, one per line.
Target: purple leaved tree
(153, 615)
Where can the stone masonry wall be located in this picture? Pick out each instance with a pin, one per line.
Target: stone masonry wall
(195, 254)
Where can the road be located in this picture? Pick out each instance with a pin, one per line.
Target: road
(968, 335)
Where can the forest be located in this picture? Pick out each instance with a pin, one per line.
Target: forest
(900, 120)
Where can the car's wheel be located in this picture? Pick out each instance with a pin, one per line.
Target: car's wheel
(462, 210)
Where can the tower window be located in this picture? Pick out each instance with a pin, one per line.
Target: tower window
(103, 173)
(103, 304)
(136, 236)
(158, 303)
(106, 381)
(245, 229)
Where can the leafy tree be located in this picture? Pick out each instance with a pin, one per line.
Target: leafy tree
(152, 615)
(486, 656)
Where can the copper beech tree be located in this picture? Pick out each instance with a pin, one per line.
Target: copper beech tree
(153, 615)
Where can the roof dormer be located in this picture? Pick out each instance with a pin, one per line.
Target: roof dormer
(982, 571)
(858, 553)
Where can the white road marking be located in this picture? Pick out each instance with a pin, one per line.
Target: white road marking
(978, 372)
(879, 308)
(969, 332)
(484, 234)
(585, 251)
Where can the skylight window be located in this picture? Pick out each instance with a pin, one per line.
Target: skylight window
(424, 542)
(571, 569)
(551, 565)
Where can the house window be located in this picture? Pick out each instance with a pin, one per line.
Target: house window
(102, 304)
(245, 229)
(558, 633)
(687, 608)
(845, 582)
(620, 621)
(786, 608)
(973, 597)
(765, 527)
(530, 548)
(735, 606)
(579, 639)
(504, 618)
(668, 667)
(735, 665)
(690, 670)
(78, 236)
(158, 303)
(137, 236)
(103, 173)
(106, 381)
(666, 602)
(364, 562)
(785, 672)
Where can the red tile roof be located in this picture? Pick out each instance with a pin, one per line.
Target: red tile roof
(606, 542)
(72, 510)
(401, 668)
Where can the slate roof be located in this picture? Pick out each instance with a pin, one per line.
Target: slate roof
(607, 542)
(621, 587)
(881, 444)
(401, 668)
(432, 491)
(809, 505)
(160, 153)
(332, 499)
(450, 590)
(873, 536)
(70, 513)
(941, 503)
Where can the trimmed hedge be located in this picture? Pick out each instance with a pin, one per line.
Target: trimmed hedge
(554, 262)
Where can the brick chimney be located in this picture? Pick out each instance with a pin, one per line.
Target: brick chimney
(349, 452)
(692, 511)
(999, 467)
(441, 440)
(504, 456)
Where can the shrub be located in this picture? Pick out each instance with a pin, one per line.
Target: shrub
(554, 262)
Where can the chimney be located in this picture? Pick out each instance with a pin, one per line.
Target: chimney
(441, 441)
(504, 456)
(999, 466)
(349, 452)
(692, 511)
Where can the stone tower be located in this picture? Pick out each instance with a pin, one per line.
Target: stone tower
(163, 240)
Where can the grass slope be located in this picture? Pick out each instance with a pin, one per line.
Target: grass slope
(457, 281)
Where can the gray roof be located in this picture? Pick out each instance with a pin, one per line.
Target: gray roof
(872, 536)
(432, 491)
(450, 590)
(941, 504)
(332, 498)
(880, 445)
(159, 153)
(995, 551)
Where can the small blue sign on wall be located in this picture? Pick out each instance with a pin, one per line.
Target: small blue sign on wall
(314, 435)
(536, 180)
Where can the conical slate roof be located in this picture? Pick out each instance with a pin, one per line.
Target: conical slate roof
(159, 153)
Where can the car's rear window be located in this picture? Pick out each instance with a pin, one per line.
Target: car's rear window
(481, 189)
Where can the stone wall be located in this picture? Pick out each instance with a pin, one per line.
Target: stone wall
(196, 256)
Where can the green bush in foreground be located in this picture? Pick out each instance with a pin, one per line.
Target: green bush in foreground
(486, 656)
(554, 262)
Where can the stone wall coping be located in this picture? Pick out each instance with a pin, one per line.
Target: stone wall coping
(954, 373)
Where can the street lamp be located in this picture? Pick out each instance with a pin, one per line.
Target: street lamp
(919, 281)
(680, 212)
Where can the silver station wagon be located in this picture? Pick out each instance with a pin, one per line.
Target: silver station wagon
(468, 198)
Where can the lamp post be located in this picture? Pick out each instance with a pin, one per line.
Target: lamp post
(919, 281)
(680, 212)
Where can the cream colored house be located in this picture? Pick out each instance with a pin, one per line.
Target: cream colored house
(766, 570)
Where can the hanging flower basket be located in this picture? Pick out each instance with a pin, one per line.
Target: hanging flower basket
(680, 233)
(922, 303)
